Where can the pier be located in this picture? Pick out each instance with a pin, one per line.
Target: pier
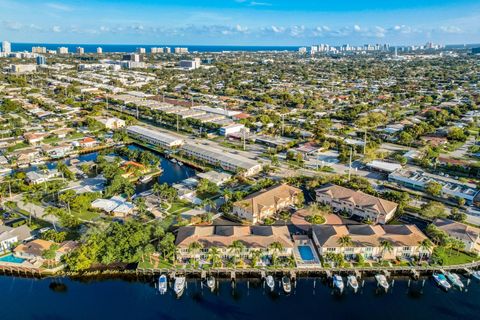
(412, 271)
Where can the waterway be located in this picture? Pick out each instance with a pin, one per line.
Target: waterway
(310, 299)
(172, 172)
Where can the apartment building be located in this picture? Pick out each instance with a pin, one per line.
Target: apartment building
(154, 137)
(222, 237)
(260, 205)
(220, 158)
(356, 203)
(367, 241)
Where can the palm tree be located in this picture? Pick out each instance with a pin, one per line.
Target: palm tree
(345, 241)
(386, 246)
(255, 257)
(236, 247)
(276, 247)
(425, 246)
(194, 248)
(210, 204)
(214, 256)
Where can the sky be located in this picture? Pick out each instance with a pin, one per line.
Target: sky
(241, 22)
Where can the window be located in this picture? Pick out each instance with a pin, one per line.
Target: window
(331, 249)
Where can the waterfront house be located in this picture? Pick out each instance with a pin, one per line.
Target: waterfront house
(469, 235)
(24, 156)
(10, 236)
(35, 249)
(260, 205)
(356, 203)
(116, 206)
(88, 142)
(34, 177)
(222, 237)
(366, 240)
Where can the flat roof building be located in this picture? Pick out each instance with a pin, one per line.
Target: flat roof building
(419, 180)
(220, 158)
(157, 138)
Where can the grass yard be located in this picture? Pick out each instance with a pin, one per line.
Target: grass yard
(453, 257)
(179, 207)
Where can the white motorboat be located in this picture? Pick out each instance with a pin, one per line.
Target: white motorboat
(145, 179)
(162, 284)
(476, 275)
(352, 282)
(270, 282)
(174, 160)
(286, 284)
(455, 279)
(382, 281)
(338, 282)
(180, 163)
(441, 281)
(211, 282)
(179, 286)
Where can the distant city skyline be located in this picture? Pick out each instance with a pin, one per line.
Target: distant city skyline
(240, 22)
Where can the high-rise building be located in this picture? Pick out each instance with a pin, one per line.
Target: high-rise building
(141, 50)
(99, 50)
(302, 50)
(156, 50)
(41, 50)
(6, 47)
(190, 64)
(41, 60)
(62, 50)
(80, 50)
(180, 50)
(168, 50)
(135, 57)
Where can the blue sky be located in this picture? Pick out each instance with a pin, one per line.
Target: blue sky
(240, 22)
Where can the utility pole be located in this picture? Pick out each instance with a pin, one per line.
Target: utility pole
(177, 122)
(365, 142)
(244, 139)
(350, 165)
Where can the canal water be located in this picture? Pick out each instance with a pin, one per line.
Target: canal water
(311, 299)
(172, 172)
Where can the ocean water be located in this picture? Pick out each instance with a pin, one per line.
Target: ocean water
(63, 298)
(92, 48)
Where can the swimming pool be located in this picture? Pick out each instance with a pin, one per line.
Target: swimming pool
(11, 258)
(306, 253)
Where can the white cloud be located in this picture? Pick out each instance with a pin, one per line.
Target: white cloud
(56, 29)
(59, 7)
(451, 29)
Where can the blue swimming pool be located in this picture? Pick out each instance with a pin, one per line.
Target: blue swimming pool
(306, 253)
(11, 258)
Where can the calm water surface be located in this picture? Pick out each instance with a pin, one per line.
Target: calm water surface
(120, 299)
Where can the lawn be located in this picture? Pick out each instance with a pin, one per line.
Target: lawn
(86, 215)
(179, 207)
(453, 257)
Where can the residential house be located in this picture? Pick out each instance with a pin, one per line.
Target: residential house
(260, 205)
(356, 203)
(35, 249)
(37, 177)
(10, 236)
(469, 235)
(88, 142)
